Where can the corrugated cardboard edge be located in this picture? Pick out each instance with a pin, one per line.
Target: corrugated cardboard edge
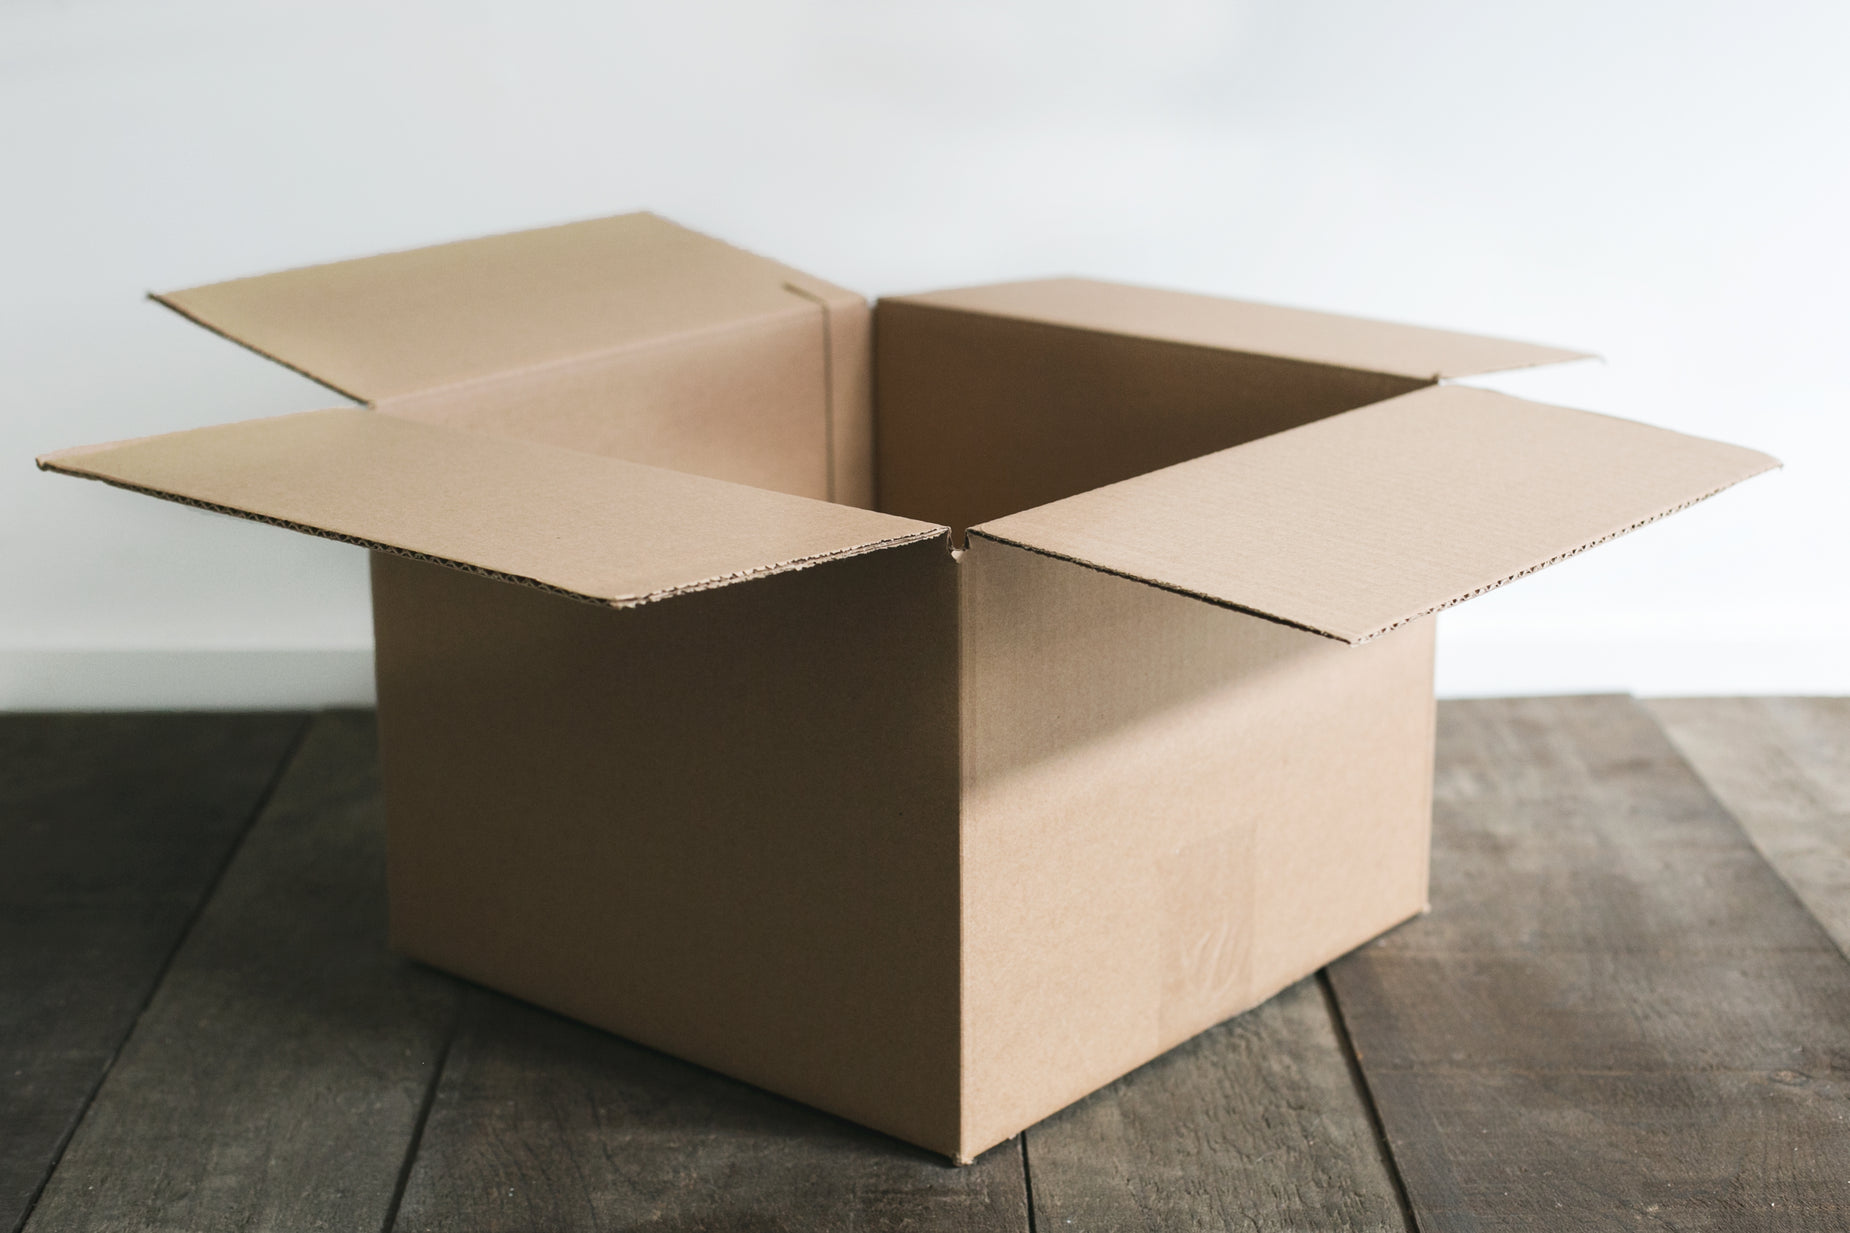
(165, 300)
(1772, 464)
(50, 463)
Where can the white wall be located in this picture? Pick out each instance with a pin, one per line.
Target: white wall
(1666, 183)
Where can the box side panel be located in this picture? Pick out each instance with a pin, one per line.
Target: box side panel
(724, 827)
(748, 403)
(981, 416)
(1171, 811)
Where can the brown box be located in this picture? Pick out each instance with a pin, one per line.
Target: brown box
(939, 836)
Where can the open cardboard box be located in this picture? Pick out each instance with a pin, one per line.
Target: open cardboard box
(681, 737)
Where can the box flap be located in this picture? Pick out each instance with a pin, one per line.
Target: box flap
(411, 322)
(592, 527)
(1257, 329)
(1361, 522)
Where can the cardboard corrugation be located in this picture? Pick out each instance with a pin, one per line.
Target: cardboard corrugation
(1361, 522)
(582, 525)
(939, 840)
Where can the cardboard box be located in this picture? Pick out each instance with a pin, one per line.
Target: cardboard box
(936, 834)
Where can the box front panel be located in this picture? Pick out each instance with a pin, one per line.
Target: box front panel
(724, 826)
(1171, 811)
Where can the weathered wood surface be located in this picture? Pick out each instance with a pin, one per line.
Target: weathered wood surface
(1782, 767)
(1256, 1124)
(1616, 1015)
(277, 1076)
(541, 1123)
(112, 831)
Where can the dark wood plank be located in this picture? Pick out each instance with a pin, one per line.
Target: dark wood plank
(1256, 1124)
(277, 1076)
(541, 1123)
(112, 830)
(1616, 1014)
(1782, 767)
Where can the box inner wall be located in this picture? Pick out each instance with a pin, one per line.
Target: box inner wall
(981, 416)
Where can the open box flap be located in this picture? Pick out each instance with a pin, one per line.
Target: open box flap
(592, 527)
(411, 322)
(1361, 522)
(1235, 325)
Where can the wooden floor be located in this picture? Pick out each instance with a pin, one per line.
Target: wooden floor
(1629, 1008)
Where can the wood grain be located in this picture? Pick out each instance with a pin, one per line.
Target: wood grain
(1255, 1124)
(276, 1077)
(1616, 1013)
(1782, 767)
(541, 1123)
(113, 829)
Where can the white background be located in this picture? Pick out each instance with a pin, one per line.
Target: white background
(1665, 183)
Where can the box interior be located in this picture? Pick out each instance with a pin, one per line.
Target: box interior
(980, 416)
(992, 400)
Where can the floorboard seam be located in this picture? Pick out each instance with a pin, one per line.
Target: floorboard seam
(160, 976)
(1779, 875)
(416, 1142)
(1027, 1180)
(1359, 1078)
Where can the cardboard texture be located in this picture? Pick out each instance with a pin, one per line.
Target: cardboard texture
(724, 826)
(724, 363)
(999, 399)
(938, 840)
(593, 527)
(1393, 511)
(1171, 811)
